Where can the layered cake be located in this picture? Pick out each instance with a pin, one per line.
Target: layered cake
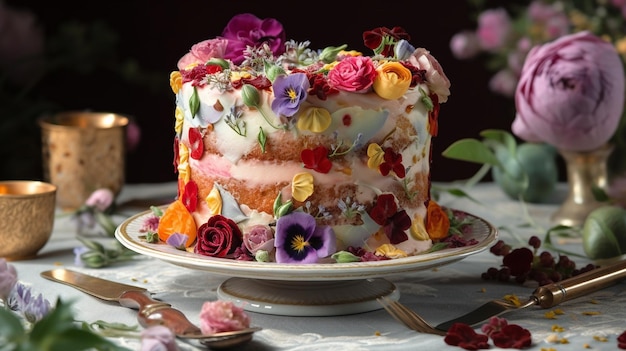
(290, 154)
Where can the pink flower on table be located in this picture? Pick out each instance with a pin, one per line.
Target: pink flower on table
(8, 279)
(353, 74)
(158, 338)
(222, 316)
(248, 30)
(101, 199)
(202, 52)
(571, 93)
(494, 28)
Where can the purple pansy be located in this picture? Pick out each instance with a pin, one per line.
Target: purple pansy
(246, 29)
(289, 91)
(8, 278)
(298, 239)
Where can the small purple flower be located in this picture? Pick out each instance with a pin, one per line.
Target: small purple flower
(34, 308)
(298, 239)
(78, 252)
(8, 279)
(289, 91)
(177, 240)
(158, 338)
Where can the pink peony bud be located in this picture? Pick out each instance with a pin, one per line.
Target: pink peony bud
(571, 93)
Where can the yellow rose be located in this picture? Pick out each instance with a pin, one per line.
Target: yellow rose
(176, 81)
(392, 80)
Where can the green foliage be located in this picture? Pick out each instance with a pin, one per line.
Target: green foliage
(57, 331)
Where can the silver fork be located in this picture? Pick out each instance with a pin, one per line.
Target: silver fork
(407, 316)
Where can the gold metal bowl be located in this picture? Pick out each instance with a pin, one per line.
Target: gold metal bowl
(27, 210)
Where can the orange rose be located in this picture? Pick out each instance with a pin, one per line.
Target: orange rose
(437, 222)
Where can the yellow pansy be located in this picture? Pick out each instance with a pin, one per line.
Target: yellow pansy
(302, 186)
(390, 251)
(176, 81)
(418, 230)
(376, 156)
(315, 119)
(392, 80)
(179, 115)
(214, 201)
(183, 162)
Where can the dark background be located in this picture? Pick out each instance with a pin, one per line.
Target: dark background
(157, 33)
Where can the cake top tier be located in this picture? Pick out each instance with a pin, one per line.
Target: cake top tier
(257, 51)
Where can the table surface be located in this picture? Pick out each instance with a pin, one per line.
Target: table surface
(437, 294)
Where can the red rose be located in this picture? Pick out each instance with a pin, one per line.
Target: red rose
(218, 237)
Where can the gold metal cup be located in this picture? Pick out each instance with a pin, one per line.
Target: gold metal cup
(83, 152)
(27, 210)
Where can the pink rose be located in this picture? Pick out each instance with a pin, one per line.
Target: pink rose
(435, 77)
(494, 28)
(570, 94)
(248, 30)
(222, 316)
(354, 74)
(218, 237)
(259, 237)
(203, 51)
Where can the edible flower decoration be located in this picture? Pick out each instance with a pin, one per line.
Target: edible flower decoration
(316, 159)
(218, 237)
(503, 334)
(289, 92)
(394, 222)
(299, 239)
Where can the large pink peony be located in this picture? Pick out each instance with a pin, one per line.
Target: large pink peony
(570, 94)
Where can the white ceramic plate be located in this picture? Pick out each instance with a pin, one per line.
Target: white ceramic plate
(128, 234)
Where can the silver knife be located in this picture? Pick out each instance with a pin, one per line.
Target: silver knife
(151, 311)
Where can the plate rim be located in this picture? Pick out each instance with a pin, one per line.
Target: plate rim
(303, 272)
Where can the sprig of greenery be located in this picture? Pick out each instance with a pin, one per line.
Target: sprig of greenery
(57, 331)
(96, 255)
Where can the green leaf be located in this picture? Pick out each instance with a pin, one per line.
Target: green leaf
(502, 137)
(194, 103)
(11, 328)
(471, 150)
(262, 139)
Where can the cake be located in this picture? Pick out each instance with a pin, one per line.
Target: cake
(288, 154)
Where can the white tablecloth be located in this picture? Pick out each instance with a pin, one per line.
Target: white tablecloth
(437, 294)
